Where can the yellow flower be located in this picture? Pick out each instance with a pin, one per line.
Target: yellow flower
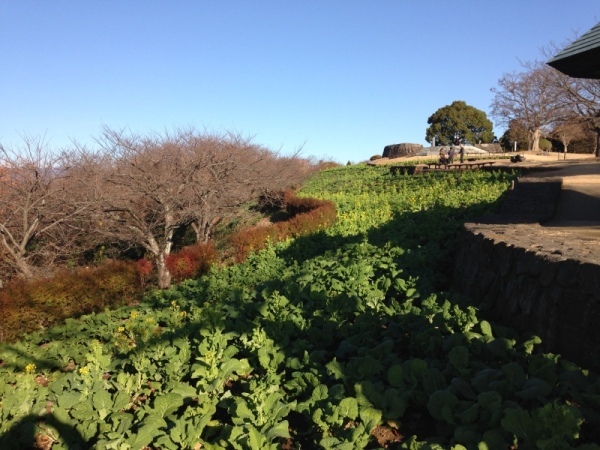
(84, 371)
(121, 329)
(30, 368)
(134, 314)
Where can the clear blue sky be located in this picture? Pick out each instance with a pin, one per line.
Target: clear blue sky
(342, 78)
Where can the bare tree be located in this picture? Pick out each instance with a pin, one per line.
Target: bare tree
(152, 185)
(568, 131)
(144, 191)
(582, 97)
(238, 172)
(529, 98)
(225, 182)
(39, 207)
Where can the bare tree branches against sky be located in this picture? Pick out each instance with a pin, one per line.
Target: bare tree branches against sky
(340, 78)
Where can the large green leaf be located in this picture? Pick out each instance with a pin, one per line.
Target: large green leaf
(280, 429)
(395, 376)
(166, 404)
(145, 435)
(486, 328)
(320, 393)
(535, 388)
(348, 407)
(336, 369)
(441, 405)
(370, 417)
(518, 422)
(491, 407)
(83, 410)
(459, 357)
(102, 403)
(241, 413)
(255, 438)
(67, 400)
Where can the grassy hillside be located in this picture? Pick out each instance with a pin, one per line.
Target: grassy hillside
(344, 339)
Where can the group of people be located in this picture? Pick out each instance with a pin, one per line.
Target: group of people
(446, 159)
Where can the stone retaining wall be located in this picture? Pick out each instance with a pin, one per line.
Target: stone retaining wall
(535, 278)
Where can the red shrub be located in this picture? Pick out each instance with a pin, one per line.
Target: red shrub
(308, 216)
(143, 268)
(253, 239)
(191, 261)
(300, 205)
(26, 306)
(321, 217)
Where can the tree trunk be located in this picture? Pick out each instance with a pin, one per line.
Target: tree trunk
(204, 228)
(16, 252)
(201, 231)
(535, 145)
(20, 264)
(164, 276)
(23, 268)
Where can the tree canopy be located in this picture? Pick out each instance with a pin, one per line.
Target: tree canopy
(459, 121)
(530, 98)
(40, 201)
(132, 191)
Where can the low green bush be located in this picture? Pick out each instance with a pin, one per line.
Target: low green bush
(545, 144)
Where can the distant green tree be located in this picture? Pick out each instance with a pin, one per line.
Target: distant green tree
(461, 121)
(516, 133)
(545, 144)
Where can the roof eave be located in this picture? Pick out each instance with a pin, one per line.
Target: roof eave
(580, 65)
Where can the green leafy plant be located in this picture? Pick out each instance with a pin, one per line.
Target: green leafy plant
(327, 340)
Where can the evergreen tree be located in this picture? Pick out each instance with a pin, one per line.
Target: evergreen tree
(459, 121)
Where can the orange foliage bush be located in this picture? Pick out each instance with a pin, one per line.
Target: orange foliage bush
(191, 261)
(308, 215)
(300, 205)
(143, 268)
(321, 217)
(26, 306)
(252, 239)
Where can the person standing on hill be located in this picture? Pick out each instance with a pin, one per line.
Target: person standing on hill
(443, 158)
(461, 152)
(451, 154)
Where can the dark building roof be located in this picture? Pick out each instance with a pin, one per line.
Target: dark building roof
(581, 59)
